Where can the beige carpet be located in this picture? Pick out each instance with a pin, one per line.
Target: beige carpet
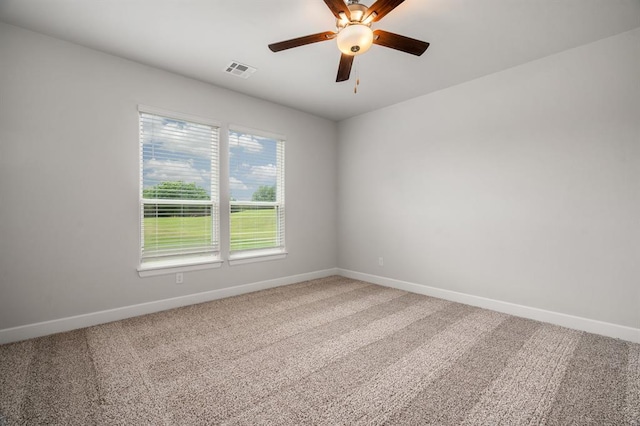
(329, 351)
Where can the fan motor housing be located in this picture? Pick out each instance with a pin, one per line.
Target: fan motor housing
(358, 11)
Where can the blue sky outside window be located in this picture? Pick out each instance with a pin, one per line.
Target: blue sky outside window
(253, 162)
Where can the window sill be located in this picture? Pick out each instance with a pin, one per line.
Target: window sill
(171, 267)
(256, 256)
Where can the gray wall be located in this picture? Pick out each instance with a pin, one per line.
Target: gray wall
(69, 180)
(522, 186)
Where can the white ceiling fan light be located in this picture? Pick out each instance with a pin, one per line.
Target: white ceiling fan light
(355, 39)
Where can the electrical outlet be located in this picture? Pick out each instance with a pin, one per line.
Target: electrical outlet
(179, 278)
(380, 261)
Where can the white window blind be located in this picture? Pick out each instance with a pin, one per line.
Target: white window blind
(256, 182)
(179, 189)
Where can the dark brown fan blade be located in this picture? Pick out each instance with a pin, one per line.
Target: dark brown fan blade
(398, 42)
(344, 69)
(301, 41)
(338, 6)
(381, 8)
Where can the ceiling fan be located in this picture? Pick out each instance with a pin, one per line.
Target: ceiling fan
(354, 33)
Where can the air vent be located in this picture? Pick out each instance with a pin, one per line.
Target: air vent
(240, 70)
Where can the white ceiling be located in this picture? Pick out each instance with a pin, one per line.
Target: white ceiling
(198, 39)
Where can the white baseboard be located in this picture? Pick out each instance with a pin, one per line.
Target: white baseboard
(39, 329)
(577, 323)
(29, 331)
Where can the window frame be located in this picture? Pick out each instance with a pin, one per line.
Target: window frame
(239, 257)
(187, 261)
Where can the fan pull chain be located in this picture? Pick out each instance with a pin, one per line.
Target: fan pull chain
(355, 88)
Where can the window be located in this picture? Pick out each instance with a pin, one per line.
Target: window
(179, 212)
(256, 184)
